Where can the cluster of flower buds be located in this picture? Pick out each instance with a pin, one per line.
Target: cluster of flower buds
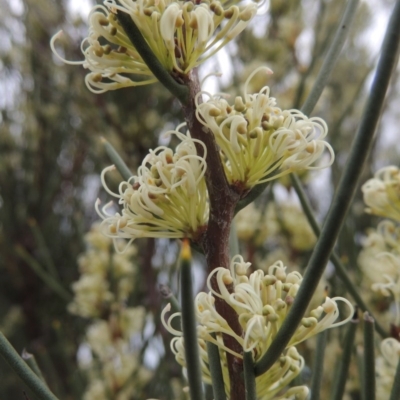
(168, 197)
(259, 141)
(382, 193)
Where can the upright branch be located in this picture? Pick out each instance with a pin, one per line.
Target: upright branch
(215, 240)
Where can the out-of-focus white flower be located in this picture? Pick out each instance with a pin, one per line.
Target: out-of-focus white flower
(386, 367)
(382, 193)
(262, 302)
(167, 199)
(181, 34)
(260, 142)
(380, 261)
(97, 265)
(285, 220)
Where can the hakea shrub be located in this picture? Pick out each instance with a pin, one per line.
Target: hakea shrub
(262, 302)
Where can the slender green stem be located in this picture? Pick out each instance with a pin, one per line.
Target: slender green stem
(339, 267)
(35, 384)
(395, 394)
(217, 377)
(251, 196)
(318, 366)
(117, 160)
(342, 374)
(189, 326)
(348, 184)
(249, 376)
(368, 388)
(48, 260)
(33, 365)
(43, 274)
(137, 39)
(331, 57)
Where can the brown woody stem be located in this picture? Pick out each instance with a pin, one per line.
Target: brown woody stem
(215, 240)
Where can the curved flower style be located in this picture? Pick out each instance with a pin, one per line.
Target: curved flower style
(259, 141)
(181, 34)
(262, 302)
(167, 199)
(386, 367)
(382, 193)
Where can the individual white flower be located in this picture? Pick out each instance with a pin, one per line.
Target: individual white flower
(382, 193)
(262, 302)
(181, 34)
(167, 199)
(259, 141)
(386, 367)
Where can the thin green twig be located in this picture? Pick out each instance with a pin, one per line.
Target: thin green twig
(32, 364)
(339, 267)
(318, 366)
(47, 278)
(189, 326)
(368, 387)
(117, 160)
(249, 376)
(35, 384)
(137, 39)
(348, 184)
(395, 394)
(331, 57)
(217, 377)
(342, 373)
(41, 243)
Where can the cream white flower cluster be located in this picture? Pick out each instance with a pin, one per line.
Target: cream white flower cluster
(259, 141)
(98, 266)
(181, 34)
(386, 367)
(101, 294)
(116, 361)
(382, 193)
(168, 197)
(262, 302)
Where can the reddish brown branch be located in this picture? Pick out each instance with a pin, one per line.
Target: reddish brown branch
(215, 240)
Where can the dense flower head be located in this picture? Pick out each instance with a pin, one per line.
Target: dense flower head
(181, 34)
(382, 193)
(262, 302)
(259, 141)
(168, 197)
